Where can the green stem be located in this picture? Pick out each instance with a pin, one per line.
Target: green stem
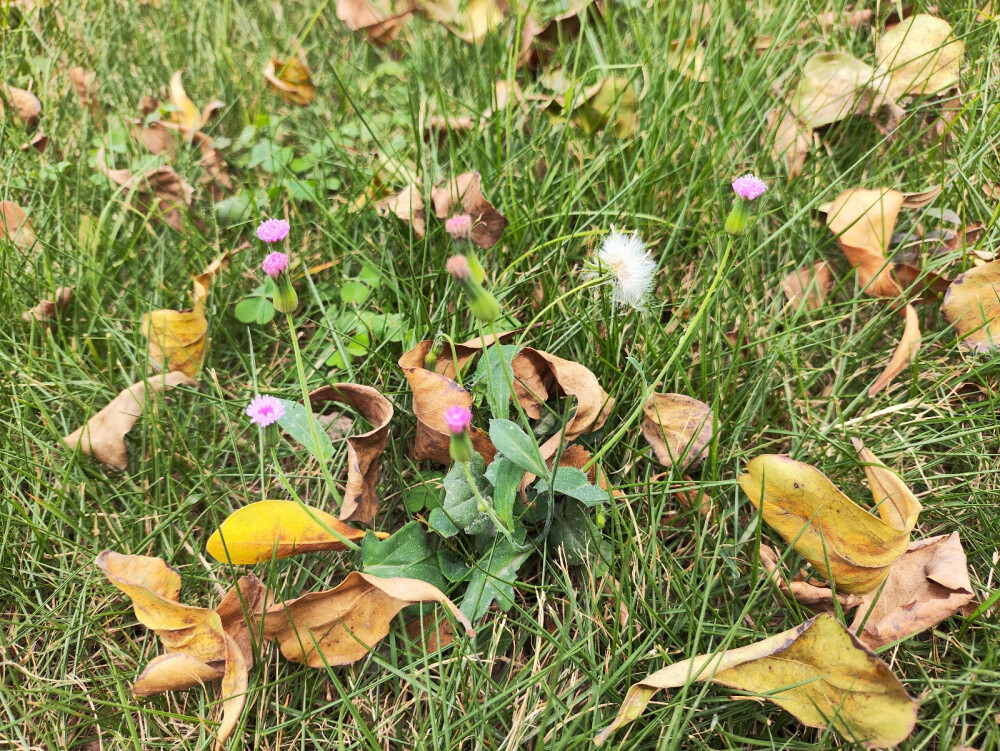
(313, 426)
(682, 345)
(485, 506)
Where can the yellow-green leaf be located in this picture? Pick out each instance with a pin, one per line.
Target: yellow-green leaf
(920, 56)
(972, 304)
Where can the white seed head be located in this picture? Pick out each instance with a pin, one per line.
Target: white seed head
(631, 267)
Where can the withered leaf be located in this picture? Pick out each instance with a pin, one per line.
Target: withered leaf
(919, 56)
(186, 113)
(972, 305)
(687, 57)
(408, 205)
(103, 436)
(470, 21)
(339, 626)
(381, 22)
(823, 524)
(466, 191)
(86, 86)
(25, 105)
(679, 428)
(816, 671)
(791, 140)
(48, 310)
(609, 102)
(537, 39)
(15, 226)
(364, 452)
(291, 79)
(811, 593)
(810, 284)
(927, 584)
(160, 188)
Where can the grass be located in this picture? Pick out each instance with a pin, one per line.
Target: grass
(551, 672)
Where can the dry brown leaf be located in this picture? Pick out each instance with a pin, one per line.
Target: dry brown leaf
(792, 140)
(816, 671)
(811, 593)
(292, 80)
(240, 610)
(364, 452)
(39, 142)
(972, 305)
(48, 310)
(160, 189)
(26, 106)
(466, 191)
(15, 226)
(340, 626)
(687, 57)
(919, 56)
(920, 283)
(408, 205)
(432, 632)
(86, 86)
(678, 427)
(538, 40)
(833, 86)
(809, 283)
(103, 436)
(470, 21)
(906, 350)
(381, 22)
(927, 584)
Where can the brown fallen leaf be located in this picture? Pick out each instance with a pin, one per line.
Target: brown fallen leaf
(159, 190)
(791, 140)
(809, 592)
(844, 542)
(465, 191)
(103, 436)
(906, 350)
(340, 626)
(86, 86)
(972, 305)
(687, 57)
(186, 113)
(15, 226)
(922, 284)
(678, 428)
(264, 530)
(432, 632)
(919, 56)
(817, 671)
(470, 21)
(201, 646)
(810, 284)
(408, 205)
(25, 105)
(39, 142)
(610, 102)
(292, 80)
(538, 40)
(364, 452)
(48, 310)
(926, 585)
(380, 22)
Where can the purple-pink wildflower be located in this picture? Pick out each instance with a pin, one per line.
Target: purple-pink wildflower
(459, 226)
(274, 264)
(458, 419)
(749, 187)
(265, 410)
(273, 230)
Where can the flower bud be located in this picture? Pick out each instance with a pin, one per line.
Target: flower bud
(276, 267)
(458, 419)
(484, 306)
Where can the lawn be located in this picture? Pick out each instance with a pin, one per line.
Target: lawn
(617, 589)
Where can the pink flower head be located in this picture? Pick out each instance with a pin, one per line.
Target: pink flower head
(458, 419)
(265, 410)
(749, 187)
(274, 264)
(459, 226)
(273, 230)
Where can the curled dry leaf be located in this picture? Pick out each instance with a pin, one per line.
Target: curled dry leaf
(186, 113)
(278, 529)
(928, 583)
(339, 626)
(809, 592)
(364, 452)
(15, 226)
(408, 205)
(381, 22)
(25, 105)
(972, 305)
(202, 644)
(817, 671)
(678, 427)
(103, 436)
(48, 310)
(160, 189)
(823, 524)
(919, 56)
(292, 80)
(538, 40)
(465, 191)
(809, 283)
(86, 86)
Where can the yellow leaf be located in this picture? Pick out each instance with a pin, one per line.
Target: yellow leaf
(919, 56)
(187, 114)
(822, 523)
(176, 339)
(339, 626)
(817, 671)
(292, 80)
(174, 671)
(279, 528)
(833, 86)
(972, 304)
(15, 225)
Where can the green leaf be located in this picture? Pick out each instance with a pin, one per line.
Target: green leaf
(492, 371)
(406, 553)
(493, 579)
(505, 477)
(296, 422)
(235, 209)
(460, 510)
(573, 482)
(453, 567)
(384, 327)
(254, 310)
(370, 276)
(354, 293)
(517, 446)
(428, 493)
(577, 535)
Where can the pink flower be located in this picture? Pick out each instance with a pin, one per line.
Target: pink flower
(265, 410)
(749, 187)
(274, 264)
(459, 226)
(458, 419)
(273, 230)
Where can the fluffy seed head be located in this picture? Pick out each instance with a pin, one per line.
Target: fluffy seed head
(273, 230)
(265, 410)
(274, 264)
(631, 267)
(749, 187)
(458, 419)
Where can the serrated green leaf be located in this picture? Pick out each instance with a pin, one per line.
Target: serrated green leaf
(493, 579)
(305, 429)
(405, 553)
(576, 534)
(517, 446)
(573, 482)
(426, 494)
